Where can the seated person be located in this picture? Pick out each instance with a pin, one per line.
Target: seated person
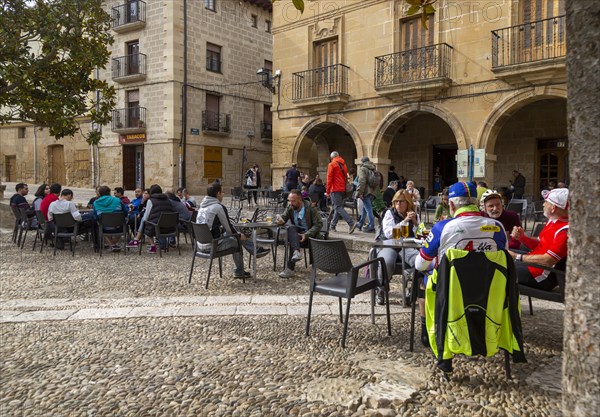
(550, 247)
(305, 221)
(18, 199)
(65, 204)
(492, 206)
(42, 191)
(215, 216)
(317, 191)
(90, 203)
(188, 199)
(107, 203)
(389, 193)
(157, 203)
(442, 211)
(403, 209)
(414, 193)
(120, 194)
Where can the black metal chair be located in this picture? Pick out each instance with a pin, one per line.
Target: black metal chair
(23, 224)
(556, 295)
(331, 257)
(274, 198)
(116, 221)
(40, 232)
(185, 226)
(238, 195)
(201, 235)
(270, 235)
(352, 204)
(164, 228)
(65, 226)
(17, 214)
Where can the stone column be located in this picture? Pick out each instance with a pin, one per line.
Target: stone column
(581, 389)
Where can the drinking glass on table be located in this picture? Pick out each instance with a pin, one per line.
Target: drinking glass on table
(404, 229)
(396, 232)
(269, 219)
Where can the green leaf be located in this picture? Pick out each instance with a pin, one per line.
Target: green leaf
(429, 9)
(413, 10)
(299, 4)
(424, 20)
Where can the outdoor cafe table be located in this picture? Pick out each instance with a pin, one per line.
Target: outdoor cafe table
(254, 227)
(401, 243)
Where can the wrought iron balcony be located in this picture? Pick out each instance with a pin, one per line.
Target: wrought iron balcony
(216, 122)
(266, 130)
(129, 16)
(129, 120)
(417, 73)
(129, 68)
(321, 89)
(531, 52)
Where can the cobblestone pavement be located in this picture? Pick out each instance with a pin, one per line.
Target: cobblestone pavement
(128, 336)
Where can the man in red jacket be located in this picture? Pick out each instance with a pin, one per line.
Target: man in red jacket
(337, 173)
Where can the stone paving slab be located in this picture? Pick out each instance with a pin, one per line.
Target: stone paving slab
(154, 312)
(261, 310)
(228, 310)
(101, 313)
(43, 315)
(317, 309)
(7, 315)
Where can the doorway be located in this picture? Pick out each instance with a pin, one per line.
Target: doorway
(56, 161)
(10, 165)
(444, 158)
(133, 167)
(552, 162)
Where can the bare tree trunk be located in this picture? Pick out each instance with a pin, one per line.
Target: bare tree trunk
(581, 364)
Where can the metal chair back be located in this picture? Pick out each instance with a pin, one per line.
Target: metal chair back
(65, 227)
(117, 221)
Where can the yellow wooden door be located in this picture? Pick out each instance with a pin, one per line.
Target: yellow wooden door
(56, 161)
(213, 163)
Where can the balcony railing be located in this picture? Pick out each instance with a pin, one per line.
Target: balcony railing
(129, 15)
(129, 66)
(266, 130)
(420, 64)
(319, 82)
(216, 122)
(529, 42)
(130, 119)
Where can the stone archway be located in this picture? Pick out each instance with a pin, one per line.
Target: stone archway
(321, 135)
(396, 118)
(508, 107)
(527, 132)
(429, 138)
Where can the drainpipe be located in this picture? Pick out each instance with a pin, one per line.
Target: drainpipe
(182, 141)
(35, 173)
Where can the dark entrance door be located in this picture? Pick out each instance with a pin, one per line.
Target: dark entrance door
(444, 158)
(133, 167)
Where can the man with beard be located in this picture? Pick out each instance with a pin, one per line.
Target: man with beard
(493, 207)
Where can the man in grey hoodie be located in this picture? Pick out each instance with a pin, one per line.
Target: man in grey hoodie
(214, 214)
(366, 192)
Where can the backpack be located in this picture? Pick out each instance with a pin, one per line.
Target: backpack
(372, 179)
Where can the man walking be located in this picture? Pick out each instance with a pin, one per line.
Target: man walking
(305, 222)
(292, 178)
(367, 178)
(336, 187)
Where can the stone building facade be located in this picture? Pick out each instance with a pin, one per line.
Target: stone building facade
(227, 105)
(363, 78)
